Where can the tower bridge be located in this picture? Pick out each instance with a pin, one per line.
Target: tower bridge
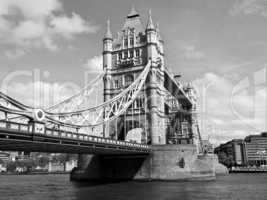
(144, 128)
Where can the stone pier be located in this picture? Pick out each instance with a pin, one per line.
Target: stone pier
(166, 162)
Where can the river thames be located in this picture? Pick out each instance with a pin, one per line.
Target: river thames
(51, 187)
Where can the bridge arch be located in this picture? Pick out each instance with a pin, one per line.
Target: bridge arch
(124, 126)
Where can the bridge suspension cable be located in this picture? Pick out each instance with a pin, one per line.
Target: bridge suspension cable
(19, 111)
(11, 103)
(73, 102)
(104, 112)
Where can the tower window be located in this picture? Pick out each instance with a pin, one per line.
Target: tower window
(137, 52)
(120, 55)
(131, 41)
(125, 54)
(139, 103)
(128, 79)
(184, 129)
(116, 84)
(131, 54)
(125, 42)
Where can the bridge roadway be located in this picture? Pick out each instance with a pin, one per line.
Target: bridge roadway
(22, 137)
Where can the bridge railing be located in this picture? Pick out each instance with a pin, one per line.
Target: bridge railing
(29, 129)
(16, 126)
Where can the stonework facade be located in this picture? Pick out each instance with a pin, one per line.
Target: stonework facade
(124, 57)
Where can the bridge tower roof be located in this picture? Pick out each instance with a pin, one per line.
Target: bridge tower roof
(133, 20)
(133, 12)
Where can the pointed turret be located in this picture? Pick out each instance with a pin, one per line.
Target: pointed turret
(150, 25)
(107, 47)
(108, 32)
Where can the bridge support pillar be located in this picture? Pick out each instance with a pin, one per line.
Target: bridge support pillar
(166, 162)
(88, 168)
(155, 105)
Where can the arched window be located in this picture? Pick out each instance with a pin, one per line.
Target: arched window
(116, 84)
(126, 42)
(131, 54)
(125, 54)
(129, 79)
(120, 55)
(137, 52)
(131, 41)
(184, 128)
(139, 103)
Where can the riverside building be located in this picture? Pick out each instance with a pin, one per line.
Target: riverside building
(252, 151)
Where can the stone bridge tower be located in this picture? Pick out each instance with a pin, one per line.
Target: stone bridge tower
(124, 57)
(168, 121)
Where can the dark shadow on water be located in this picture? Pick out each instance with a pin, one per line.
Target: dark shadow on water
(92, 183)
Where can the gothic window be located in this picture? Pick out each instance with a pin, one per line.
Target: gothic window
(116, 84)
(131, 41)
(139, 103)
(131, 54)
(125, 54)
(128, 79)
(120, 55)
(125, 42)
(120, 81)
(137, 52)
(185, 128)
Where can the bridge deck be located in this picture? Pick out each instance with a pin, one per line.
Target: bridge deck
(19, 137)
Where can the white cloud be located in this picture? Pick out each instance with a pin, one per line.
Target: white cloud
(226, 113)
(68, 26)
(13, 54)
(30, 9)
(40, 93)
(94, 64)
(29, 30)
(250, 7)
(31, 23)
(191, 53)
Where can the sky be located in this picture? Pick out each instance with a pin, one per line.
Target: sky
(219, 46)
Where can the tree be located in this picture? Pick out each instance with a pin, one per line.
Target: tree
(11, 166)
(226, 160)
(42, 161)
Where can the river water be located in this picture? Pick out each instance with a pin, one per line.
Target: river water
(50, 187)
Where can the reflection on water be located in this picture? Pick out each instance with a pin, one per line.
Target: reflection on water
(48, 187)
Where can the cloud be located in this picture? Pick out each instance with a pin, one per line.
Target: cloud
(94, 64)
(31, 23)
(249, 7)
(13, 54)
(225, 112)
(69, 26)
(30, 8)
(40, 93)
(191, 53)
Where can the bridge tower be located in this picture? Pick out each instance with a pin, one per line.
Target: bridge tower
(164, 110)
(124, 58)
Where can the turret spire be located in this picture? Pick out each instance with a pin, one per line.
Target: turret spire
(108, 32)
(150, 24)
